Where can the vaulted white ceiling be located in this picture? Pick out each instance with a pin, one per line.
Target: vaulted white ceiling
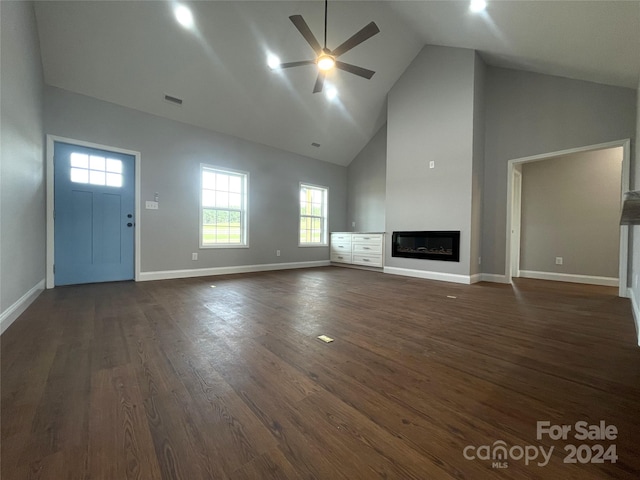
(132, 53)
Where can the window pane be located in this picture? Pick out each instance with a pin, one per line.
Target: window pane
(79, 175)
(222, 199)
(208, 217)
(316, 196)
(114, 166)
(79, 160)
(235, 184)
(208, 198)
(235, 200)
(235, 235)
(114, 180)
(208, 180)
(234, 218)
(222, 218)
(222, 182)
(96, 163)
(96, 178)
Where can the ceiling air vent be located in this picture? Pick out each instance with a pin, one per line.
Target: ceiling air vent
(174, 100)
(314, 144)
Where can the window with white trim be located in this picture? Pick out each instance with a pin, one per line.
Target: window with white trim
(223, 207)
(313, 215)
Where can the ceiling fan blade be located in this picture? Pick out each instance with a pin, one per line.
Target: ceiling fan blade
(304, 29)
(319, 82)
(361, 72)
(297, 64)
(367, 32)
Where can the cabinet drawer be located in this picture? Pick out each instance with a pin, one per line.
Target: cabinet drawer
(341, 238)
(370, 260)
(341, 247)
(367, 238)
(367, 248)
(341, 257)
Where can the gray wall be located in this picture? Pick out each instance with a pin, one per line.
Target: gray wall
(571, 209)
(171, 154)
(22, 184)
(366, 186)
(529, 114)
(430, 117)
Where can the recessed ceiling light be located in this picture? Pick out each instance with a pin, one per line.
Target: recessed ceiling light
(478, 5)
(331, 93)
(273, 61)
(183, 16)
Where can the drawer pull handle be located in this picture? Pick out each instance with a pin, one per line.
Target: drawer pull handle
(365, 259)
(341, 258)
(366, 248)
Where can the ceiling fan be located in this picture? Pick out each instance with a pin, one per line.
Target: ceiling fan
(327, 59)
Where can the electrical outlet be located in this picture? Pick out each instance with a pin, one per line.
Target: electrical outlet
(194, 256)
(559, 260)
(479, 260)
(353, 224)
(432, 164)
(151, 205)
(277, 253)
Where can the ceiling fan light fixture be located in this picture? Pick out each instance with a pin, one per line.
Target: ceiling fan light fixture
(326, 62)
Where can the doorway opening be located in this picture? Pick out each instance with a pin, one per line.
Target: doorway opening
(514, 212)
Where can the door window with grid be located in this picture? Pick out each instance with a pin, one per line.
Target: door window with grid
(223, 207)
(313, 215)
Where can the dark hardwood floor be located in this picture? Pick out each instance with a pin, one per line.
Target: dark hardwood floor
(224, 378)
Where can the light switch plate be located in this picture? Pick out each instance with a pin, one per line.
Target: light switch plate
(151, 205)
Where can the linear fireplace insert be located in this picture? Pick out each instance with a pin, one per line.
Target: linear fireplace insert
(429, 245)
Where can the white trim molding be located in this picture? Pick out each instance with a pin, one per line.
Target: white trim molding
(569, 277)
(443, 277)
(14, 311)
(635, 308)
(207, 272)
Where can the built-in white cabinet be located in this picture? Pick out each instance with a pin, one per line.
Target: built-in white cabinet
(365, 249)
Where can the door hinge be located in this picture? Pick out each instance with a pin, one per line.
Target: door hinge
(54, 269)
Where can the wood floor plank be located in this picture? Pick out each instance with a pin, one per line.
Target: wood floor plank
(120, 444)
(224, 378)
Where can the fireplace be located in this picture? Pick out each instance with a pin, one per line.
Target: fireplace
(428, 245)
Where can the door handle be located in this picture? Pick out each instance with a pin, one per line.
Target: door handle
(129, 215)
(129, 224)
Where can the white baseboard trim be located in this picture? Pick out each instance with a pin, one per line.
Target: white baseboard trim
(14, 311)
(493, 277)
(635, 308)
(443, 277)
(567, 277)
(475, 278)
(207, 272)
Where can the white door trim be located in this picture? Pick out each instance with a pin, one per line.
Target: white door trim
(51, 139)
(514, 164)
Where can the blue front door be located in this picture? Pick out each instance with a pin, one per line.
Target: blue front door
(93, 215)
